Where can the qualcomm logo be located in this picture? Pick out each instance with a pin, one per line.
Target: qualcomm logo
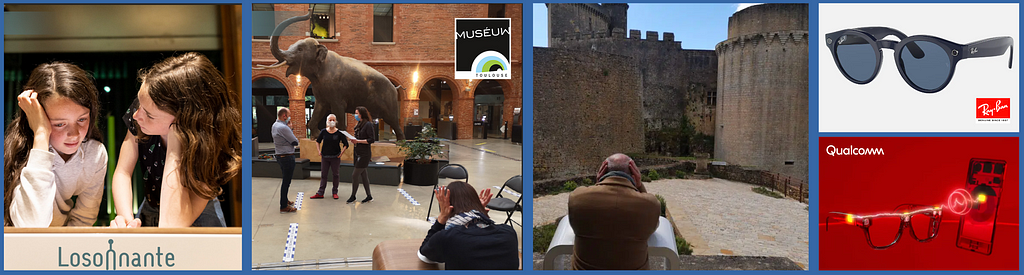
(832, 150)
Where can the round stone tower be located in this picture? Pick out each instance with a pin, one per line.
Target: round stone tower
(762, 113)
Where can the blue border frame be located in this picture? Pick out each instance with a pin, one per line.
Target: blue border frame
(527, 32)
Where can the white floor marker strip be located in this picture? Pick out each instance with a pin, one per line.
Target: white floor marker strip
(298, 200)
(289, 245)
(509, 191)
(408, 197)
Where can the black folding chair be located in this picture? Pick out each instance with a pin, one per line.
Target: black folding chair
(450, 171)
(510, 206)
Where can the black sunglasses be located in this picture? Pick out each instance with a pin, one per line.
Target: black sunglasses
(925, 62)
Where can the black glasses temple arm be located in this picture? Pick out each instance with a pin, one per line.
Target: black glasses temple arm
(995, 46)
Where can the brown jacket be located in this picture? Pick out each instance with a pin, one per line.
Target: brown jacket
(612, 222)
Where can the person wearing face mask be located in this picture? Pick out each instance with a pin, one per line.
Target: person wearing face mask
(284, 149)
(329, 143)
(613, 219)
(364, 136)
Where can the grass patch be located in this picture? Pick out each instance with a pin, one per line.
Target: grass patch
(683, 247)
(764, 191)
(680, 174)
(653, 174)
(569, 186)
(542, 237)
(588, 182)
(661, 200)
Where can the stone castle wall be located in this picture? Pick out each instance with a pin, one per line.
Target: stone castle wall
(584, 110)
(750, 93)
(762, 112)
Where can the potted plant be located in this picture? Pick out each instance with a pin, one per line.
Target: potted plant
(419, 167)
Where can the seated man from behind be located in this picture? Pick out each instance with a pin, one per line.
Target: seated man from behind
(613, 219)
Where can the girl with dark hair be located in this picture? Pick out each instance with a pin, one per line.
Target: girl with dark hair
(53, 152)
(364, 136)
(464, 237)
(186, 127)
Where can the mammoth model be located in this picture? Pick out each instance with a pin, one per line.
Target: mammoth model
(340, 84)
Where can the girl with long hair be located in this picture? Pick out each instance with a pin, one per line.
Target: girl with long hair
(187, 133)
(53, 151)
(364, 136)
(464, 237)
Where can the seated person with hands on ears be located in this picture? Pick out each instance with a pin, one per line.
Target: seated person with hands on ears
(464, 237)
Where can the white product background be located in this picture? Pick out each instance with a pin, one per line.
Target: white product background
(888, 103)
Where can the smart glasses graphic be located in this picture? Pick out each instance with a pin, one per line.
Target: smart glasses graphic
(977, 204)
(887, 228)
(925, 62)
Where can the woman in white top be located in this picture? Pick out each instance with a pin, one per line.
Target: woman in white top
(53, 152)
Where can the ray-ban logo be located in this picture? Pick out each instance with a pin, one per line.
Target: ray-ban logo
(974, 50)
(993, 108)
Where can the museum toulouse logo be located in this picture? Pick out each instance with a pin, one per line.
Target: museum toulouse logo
(483, 48)
(992, 109)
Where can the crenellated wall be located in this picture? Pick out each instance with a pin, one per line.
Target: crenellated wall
(749, 94)
(676, 82)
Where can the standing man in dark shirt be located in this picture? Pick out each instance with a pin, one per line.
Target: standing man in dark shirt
(284, 149)
(613, 219)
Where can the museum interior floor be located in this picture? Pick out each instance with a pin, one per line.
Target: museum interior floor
(334, 235)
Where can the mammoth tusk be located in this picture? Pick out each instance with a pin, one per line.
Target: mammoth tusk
(278, 64)
(264, 67)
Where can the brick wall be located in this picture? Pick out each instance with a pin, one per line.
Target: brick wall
(423, 43)
(577, 124)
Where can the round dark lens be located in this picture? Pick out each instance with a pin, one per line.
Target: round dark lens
(856, 57)
(927, 68)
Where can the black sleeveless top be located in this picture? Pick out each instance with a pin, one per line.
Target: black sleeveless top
(152, 154)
